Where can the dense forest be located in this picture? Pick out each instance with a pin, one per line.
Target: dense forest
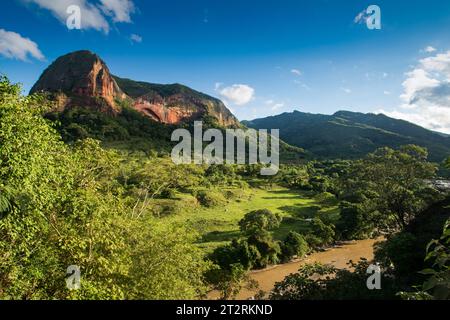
(101, 192)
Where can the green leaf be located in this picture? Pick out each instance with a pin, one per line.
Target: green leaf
(428, 272)
(430, 284)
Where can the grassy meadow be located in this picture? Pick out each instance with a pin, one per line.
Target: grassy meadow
(219, 225)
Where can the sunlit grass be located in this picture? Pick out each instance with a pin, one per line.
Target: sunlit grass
(219, 225)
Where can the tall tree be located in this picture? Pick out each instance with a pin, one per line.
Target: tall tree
(394, 181)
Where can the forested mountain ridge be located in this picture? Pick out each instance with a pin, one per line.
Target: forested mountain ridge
(82, 79)
(347, 135)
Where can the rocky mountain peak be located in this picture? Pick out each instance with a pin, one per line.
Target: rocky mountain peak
(82, 79)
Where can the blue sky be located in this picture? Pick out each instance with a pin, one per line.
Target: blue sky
(261, 57)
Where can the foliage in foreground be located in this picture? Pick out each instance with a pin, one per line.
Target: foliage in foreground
(64, 205)
(324, 282)
(437, 284)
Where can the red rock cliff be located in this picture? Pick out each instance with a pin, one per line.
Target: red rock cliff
(82, 79)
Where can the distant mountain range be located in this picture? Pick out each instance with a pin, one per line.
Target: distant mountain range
(348, 135)
(112, 108)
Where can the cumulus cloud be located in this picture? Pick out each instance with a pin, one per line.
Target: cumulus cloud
(426, 94)
(433, 118)
(274, 106)
(120, 10)
(430, 49)
(238, 94)
(136, 38)
(417, 83)
(93, 15)
(296, 72)
(14, 46)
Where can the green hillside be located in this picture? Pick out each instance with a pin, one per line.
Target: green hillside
(350, 135)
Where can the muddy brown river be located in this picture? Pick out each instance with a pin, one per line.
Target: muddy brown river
(338, 256)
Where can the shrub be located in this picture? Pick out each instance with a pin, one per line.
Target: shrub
(401, 252)
(269, 250)
(354, 222)
(326, 199)
(234, 194)
(259, 220)
(239, 251)
(168, 194)
(229, 282)
(210, 199)
(294, 245)
(325, 282)
(322, 234)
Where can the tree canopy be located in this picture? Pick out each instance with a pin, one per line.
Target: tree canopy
(259, 220)
(63, 205)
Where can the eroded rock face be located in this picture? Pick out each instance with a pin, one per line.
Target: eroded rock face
(175, 103)
(82, 79)
(183, 107)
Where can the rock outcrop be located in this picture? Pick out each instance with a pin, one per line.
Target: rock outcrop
(175, 103)
(82, 79)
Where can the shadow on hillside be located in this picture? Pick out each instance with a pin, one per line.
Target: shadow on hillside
(220, 236)
(290, 224)
(287, 194)
(300, 211)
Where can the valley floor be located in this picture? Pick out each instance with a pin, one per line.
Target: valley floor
(219, 225)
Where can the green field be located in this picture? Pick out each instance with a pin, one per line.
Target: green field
(219, 225)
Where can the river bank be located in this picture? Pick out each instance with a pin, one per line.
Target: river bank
(338, 256)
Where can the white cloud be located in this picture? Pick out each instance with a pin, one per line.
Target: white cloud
(93, 15)
(273, 105)
(238, 94)
(14, 46)
(136, 38)
(426, 96)
(120, 10)
(277, 106)
(346, 90)
(296, 72)
(362, 17)
(388, 93)
(417, 81)
(438, 63)
(430, 49)
(433, 118)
